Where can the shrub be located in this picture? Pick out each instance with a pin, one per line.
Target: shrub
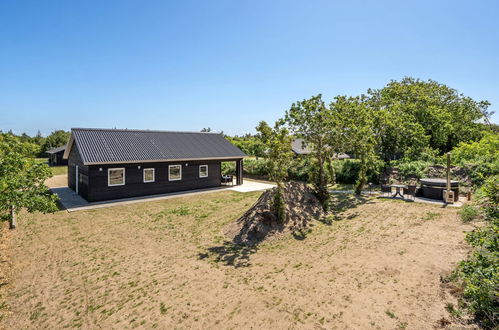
(347, 171)
(480, 158)
(479, 275)
(414, 169)
(229, 168)
(301, 169)
(256, 167)
(468, 213)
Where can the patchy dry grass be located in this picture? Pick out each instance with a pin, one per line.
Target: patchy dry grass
(164, 264)
(59, 170)
(57, 181)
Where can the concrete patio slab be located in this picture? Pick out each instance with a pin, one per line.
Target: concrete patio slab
(74, 202)
(248, 186)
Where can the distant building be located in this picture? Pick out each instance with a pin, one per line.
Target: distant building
(300, 148)
(56, 156)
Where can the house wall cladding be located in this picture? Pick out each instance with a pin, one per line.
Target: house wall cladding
(74, 160)
(134, 183)
(57, 160)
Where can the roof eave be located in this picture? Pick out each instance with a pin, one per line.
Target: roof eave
(69, 145)
(164, 160)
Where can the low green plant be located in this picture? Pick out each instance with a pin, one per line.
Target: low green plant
(479, 274)
(162, 308)
(413, 169)
(468, 213)
(347, 171)
(256, 167)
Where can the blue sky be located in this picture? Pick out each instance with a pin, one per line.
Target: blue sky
(186, 65)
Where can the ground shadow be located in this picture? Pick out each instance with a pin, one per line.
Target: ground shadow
(300, 234)
(343, 202)
(230, 254)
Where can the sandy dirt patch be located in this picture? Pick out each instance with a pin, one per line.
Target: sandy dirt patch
(164, 264)
(57, 181)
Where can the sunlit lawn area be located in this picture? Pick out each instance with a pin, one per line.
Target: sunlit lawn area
(164, 264)
(56, 170)
(59, 170)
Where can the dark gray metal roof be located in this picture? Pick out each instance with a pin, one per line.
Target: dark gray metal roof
(100, 146)
(299, 148)
(56, 150)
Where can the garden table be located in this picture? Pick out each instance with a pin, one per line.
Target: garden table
(398, 187)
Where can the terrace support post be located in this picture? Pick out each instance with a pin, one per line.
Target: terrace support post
(448, 194)
(448, 171)
(239, 172)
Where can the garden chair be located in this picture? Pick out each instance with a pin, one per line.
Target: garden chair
(386, 189)
(227, 179)
(410, 191)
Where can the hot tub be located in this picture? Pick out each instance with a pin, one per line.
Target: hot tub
(434, 188)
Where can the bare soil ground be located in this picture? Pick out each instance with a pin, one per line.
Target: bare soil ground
(164, 264)
(57, 181)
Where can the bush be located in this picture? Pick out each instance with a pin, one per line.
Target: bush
(468, 213)
(301, 169)
(479, 275)
(415, 169)
(480, 158)
(256, 167)
(229, 168)
(347, 171)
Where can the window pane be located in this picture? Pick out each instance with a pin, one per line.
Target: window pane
(148, 174)
(116, 177)
(175, 173)
(203, 171)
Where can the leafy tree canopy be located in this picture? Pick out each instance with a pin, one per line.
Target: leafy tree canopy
(22, 180)
(417, 114)
(55, 139)
(314, 121)
(356, 120)
(277, 142)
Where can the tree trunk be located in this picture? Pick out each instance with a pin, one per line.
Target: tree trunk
(12, 219)
(362, 175)
(322, 190)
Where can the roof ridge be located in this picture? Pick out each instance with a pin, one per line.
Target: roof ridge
(138, 130)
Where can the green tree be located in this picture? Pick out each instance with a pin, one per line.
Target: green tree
(55, 139)
(313, 121)
(249, 144)
(419, 114)
(278, 144)
(356, 119)
(22, 181)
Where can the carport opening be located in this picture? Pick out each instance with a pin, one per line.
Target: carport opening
(232, 172)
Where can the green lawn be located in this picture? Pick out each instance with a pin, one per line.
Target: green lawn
(59, 170)
(56, 170)
(165, 264)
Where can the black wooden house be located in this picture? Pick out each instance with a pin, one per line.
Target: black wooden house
(56, 156)
(106, 164)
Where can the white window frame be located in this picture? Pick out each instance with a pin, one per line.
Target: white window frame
(109, 177)
(144, 175)
(203, 176)
(170, 166)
